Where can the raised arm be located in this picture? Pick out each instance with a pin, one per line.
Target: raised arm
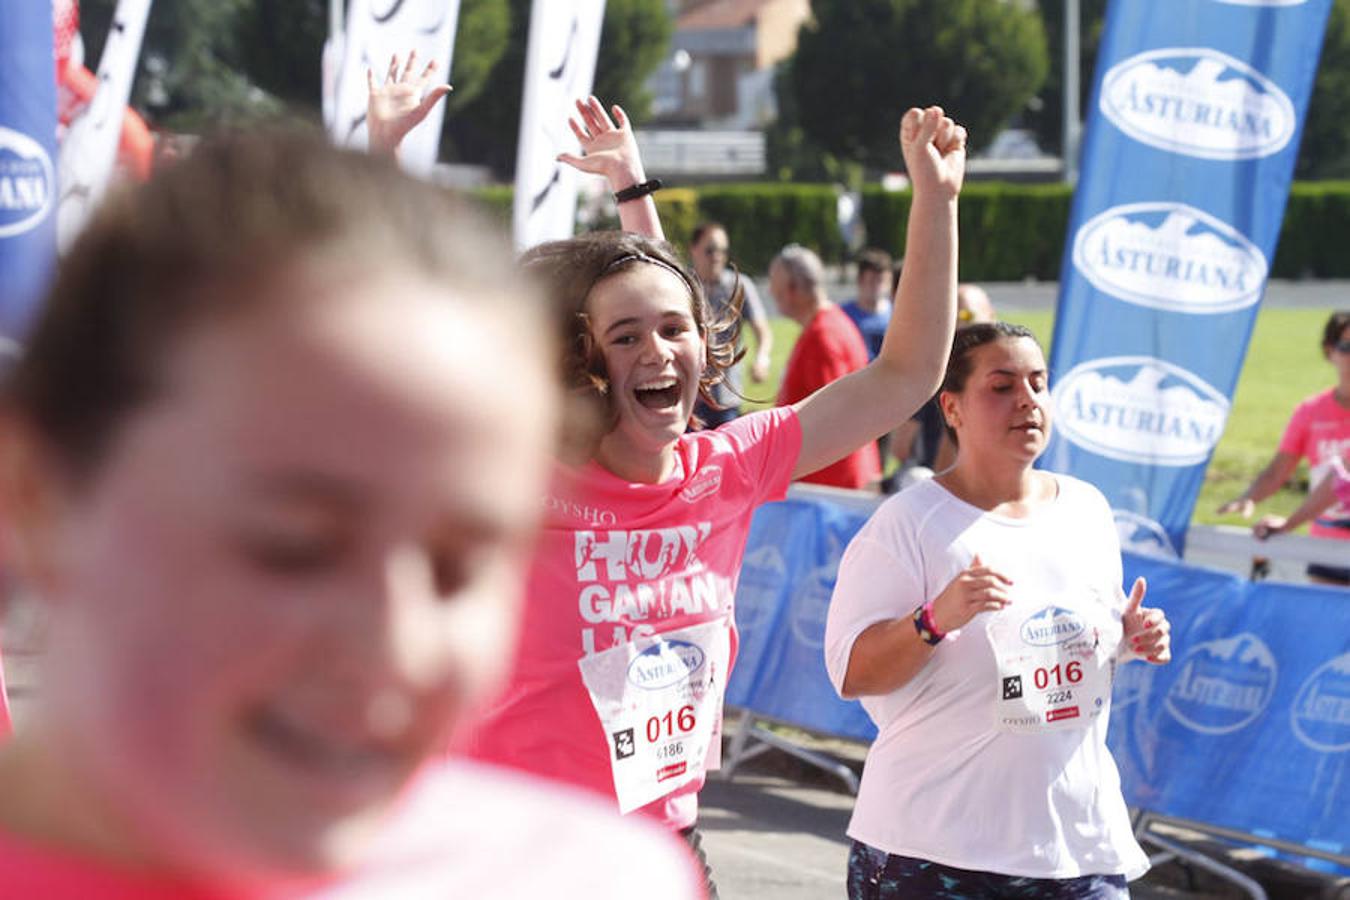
(844, 415)
(1271, 479)
(609, 149)
(398, 104)
(1321, 498)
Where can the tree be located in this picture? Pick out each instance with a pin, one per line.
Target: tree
(1325, 152)
(860, 63)
(1046, 113)
(634, 39)
(204, 61)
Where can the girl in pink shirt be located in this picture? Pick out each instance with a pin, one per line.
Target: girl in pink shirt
(1318, 431)
(629, 634)
(259, 475)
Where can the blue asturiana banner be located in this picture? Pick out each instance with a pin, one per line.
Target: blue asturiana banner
(27, 163)
(1198, 107)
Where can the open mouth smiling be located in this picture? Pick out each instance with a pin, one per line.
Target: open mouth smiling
(658, 393)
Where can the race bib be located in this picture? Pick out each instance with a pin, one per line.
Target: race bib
(1056, 663)
(660, 701)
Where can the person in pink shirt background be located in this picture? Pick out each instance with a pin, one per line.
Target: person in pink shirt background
(1318, 431)
(258, 478)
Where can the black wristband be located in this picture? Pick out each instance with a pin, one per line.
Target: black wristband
(637, 191)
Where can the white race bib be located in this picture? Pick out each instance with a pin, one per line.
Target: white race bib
(660, 701)
(1056, 663)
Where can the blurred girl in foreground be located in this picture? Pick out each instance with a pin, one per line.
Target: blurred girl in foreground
(261, 476)
(980, 618)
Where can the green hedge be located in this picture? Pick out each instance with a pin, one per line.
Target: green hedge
(1008, 231)
(761, 218)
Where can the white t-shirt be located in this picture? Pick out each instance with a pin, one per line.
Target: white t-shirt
(993, 757)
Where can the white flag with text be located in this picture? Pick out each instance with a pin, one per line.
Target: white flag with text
(559, 68)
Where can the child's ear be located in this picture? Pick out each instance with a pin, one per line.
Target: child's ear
(33, 490)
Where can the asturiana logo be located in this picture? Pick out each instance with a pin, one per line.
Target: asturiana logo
(810, 604)
(1321, 711)
(1050, 626)
(665, 663)
(1223, 685)
(26, 183)
(763, 578)
(1199, 102)
(1170, 256)
(1140, 534)
(1139, 409)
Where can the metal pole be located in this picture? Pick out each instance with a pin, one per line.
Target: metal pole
(336, 16)
(1073, 126)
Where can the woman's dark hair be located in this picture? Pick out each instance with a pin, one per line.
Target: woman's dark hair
(569, 271)
(1335, 327)
(966, 341)
(203, 239)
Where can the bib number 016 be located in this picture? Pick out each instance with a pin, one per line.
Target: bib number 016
(1057, 675)
(677, 721)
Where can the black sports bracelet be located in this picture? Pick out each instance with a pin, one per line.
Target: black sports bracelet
(641, 189)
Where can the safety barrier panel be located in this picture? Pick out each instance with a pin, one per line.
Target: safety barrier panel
(1247, 731)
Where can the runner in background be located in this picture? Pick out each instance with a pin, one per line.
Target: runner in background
(1318, 431)
(261, 477)
(979, 617)
(711, 250)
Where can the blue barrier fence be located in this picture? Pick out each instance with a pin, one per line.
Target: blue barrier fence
(1248, 729)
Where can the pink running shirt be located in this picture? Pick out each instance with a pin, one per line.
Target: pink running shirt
(462, 831)
(1319, 431)
(617, 558)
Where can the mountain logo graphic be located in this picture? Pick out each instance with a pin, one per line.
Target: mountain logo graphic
(1172, 257)
(1198, 102)
(1139, 409)
(27, 183)
(1223, 685)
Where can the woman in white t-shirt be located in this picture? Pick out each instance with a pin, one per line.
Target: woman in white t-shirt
(980, 618)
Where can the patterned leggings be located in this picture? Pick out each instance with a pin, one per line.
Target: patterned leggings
(876, 875)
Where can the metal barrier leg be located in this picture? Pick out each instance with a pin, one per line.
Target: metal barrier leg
(1201, 861)
(819, 760)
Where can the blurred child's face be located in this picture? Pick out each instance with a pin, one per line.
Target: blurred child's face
(295, 570)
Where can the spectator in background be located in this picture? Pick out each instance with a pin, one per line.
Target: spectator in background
(828, 348)
(922, 444)
(711, 250)
(1319, 431)
(870, 310)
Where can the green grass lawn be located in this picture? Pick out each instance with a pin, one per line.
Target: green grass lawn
(1283, 366)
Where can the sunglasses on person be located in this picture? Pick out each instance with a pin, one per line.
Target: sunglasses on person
(717, 249)
(1341, 346)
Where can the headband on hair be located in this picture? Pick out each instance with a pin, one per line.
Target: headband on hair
(639, 256)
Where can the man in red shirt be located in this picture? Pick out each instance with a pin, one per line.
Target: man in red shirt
(829, 347)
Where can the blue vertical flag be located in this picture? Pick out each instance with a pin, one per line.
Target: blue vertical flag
(27, 170)
(1197, 112)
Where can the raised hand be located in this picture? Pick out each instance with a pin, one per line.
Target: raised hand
(1242, 506)
(1148, 634)
(1269, 526)
(934, 148)
(608, 147)
(399, 104)
(975, 590)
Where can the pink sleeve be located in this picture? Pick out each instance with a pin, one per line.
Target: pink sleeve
(1295, 439)
(767, 444)
(1342, 476)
